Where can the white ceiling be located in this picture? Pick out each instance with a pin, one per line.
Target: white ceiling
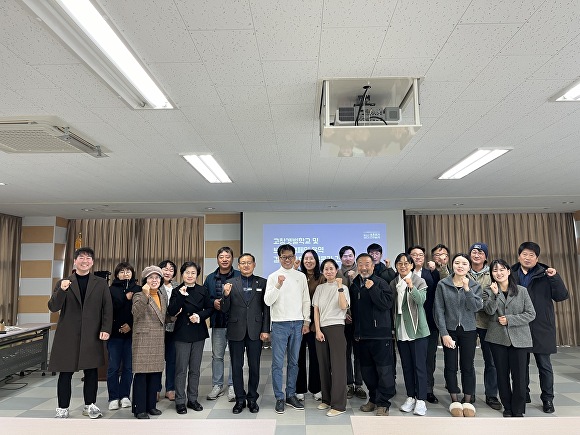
(244, 76)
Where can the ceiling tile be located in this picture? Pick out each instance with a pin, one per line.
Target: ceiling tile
(362, 13)
(499, 11)
(216, 14)
(290, 82)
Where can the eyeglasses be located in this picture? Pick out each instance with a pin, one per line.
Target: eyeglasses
(154, 278)
(403, 264)
(287, 257)
(246, 263)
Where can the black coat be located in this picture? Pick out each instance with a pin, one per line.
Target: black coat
(431, 278)
(253, 316)
(197, 301)
(371, 308)
(543, 289)
(122, 306)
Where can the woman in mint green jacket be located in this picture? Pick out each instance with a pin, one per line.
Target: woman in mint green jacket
(412, 331)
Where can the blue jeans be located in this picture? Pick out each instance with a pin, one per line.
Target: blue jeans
(119, 354)
(218, 352)
(286, 338)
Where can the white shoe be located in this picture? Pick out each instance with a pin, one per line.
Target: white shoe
(61, 413)
(231, 394)
(323, 406)
(113, 405)
(125, 402)
(300, 397)
(215, 392)
(334, 412)
(318, 396)
(420, 408)
(92, 411)
(409, 405)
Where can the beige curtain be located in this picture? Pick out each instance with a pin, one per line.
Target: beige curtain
(178, 240)
(141, 242)
(504, 233)
(113, 241)
(10, 234)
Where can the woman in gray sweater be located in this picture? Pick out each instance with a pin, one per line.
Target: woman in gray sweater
(509, 335)
(457, 299)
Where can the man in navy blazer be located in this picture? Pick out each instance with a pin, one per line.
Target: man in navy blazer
(248, 325)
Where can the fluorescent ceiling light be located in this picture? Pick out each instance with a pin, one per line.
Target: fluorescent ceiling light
(475, 160)
(101, 48)
(572, 94)
(206, 165)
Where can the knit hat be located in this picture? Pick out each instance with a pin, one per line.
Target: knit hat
(480, 247)
(150, 270)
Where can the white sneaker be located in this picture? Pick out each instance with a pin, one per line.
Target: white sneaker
(231, 394)
(215, 392)
(318, 396)
(409, 405)
(113, 405)
(61, 413)
(92, 411)
(300, 397)
(125, 402)
(420, 408)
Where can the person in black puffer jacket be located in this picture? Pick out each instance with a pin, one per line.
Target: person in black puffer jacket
(119, 345)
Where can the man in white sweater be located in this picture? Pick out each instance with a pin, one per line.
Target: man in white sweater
(289, 301)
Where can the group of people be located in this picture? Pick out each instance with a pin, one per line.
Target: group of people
(362, 308)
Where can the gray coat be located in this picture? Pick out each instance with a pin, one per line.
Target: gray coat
(148, 333)
(76, 344)
(454, 307)
(519, 312)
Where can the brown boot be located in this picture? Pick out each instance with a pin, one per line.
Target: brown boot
(382, 411)
(368, 407)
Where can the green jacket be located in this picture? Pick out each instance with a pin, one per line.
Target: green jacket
(412, 311)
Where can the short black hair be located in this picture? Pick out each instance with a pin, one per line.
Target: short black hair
(84, 250)
(344, 249)
(532, 246)
(328, 260)
(374, 247)
(407, 256)
(286, 247)
(363, 255)
(247, 254)
(418, 247)
(189, 264)
(439, 246)
(124, 265)
(225, 249)
(164, 263)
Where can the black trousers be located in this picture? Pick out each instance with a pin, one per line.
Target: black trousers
(376, 365)
(465, 348)
(145, 387)
(546, 376)
(511, 362)
(433, 341)
(313, 382)
(253, 350)
(90, 387)
(353, 374)
(413, 355)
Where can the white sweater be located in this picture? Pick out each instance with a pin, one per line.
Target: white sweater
(291, 301)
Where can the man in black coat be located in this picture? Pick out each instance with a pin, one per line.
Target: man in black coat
(544, 286)
(248, 326)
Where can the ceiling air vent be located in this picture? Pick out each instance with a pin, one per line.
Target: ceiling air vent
(34, 135)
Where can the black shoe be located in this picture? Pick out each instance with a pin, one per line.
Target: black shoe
(507, 413)
(253, 406)
(238, 407)
(155, 411)
(431, 398)
(472, 400)
(517, 415)
(528, 398)
(360, 393)
(295, 403)
(493, 403)
(181, 409)
(350, 392)
(279, 406)
(548, 407)
(142, 416)
(194, 405)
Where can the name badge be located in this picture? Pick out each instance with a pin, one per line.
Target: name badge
(258, 289)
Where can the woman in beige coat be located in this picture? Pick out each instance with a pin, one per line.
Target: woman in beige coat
(149, 309)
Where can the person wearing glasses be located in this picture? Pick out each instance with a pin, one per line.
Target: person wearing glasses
(288, 297)
(412, 332)
(431, 278)
(149, 310)
(248, 327)
(440, 254)
(457, 298)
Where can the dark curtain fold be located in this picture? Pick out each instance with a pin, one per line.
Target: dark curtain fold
(10, 237)
(554, 232)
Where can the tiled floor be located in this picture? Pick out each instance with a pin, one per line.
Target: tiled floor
(35, 396)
